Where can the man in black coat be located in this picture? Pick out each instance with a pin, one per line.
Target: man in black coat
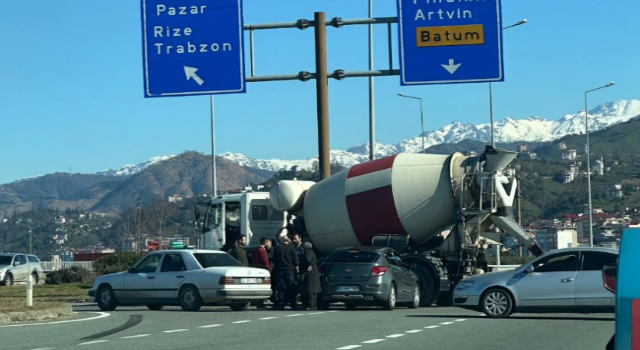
(285, 268)
(310, 278)
(238, 251)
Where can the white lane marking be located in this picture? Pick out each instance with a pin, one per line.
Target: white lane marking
(44, 349)
(482, 315)
(395, 335)
(245, 321)
(316, 313)
(349, 347)
(268, 318)
(414, 331)
(333, 311)
(175, 330)
(431, 327)
(136, 336)
(293, 315)
(101, 315)
(446, 323)
(93, 342)
(373, 341)
(211, 326)
(461, 319)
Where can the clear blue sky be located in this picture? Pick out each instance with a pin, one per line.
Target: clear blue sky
(72, 90)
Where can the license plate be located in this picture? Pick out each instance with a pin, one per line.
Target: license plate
(347, 289)
(251, 280)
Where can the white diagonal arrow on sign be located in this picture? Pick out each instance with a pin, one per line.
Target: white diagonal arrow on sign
(190, 72)
(452, 68)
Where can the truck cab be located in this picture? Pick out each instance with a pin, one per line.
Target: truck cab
(223, 218)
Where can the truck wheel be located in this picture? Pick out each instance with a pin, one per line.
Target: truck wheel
(190, 299)
(390, 304)
(428, 285)
(496, 303)
(239, 306)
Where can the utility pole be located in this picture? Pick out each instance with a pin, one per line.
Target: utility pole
(372, 108)
(322, 93)
(214, 184)
(519, 206)
(138, 235)
(30, 242)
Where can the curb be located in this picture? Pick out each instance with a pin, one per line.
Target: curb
(36, 315)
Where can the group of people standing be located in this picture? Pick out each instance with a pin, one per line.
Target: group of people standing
(294, 270)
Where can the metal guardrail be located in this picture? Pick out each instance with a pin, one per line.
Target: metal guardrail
(49, 266)
(496, 268)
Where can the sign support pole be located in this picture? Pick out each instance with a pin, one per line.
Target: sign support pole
(322, 93)
(213, 154)
(372, 107)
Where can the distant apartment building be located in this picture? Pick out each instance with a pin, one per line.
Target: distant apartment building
(562, 145)
(551, 238)
(175, 198)
(570, 154)
(522, 148)
(614, 191)
(598, 167)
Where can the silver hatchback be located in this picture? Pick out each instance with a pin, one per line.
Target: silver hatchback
(563, 280)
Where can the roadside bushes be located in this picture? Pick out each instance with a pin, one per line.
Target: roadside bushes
(116, 262)
(74, 274)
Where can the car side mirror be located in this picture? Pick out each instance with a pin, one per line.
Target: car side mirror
(16, 263)
(609, 276)
(529, 269)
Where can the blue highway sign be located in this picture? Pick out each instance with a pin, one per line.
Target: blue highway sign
(450, 41)
(193, 47)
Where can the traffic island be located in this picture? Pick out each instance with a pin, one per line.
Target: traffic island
(13, 312)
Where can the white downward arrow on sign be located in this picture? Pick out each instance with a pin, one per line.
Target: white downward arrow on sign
(191, 73)
(452, 68)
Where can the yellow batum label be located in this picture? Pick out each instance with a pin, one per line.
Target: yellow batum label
(450, 35)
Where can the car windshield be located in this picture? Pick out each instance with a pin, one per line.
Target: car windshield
(352, 256)
(5, 260)
(216, 260)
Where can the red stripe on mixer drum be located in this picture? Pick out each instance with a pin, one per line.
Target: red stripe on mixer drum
(371, 167)
(374, 213)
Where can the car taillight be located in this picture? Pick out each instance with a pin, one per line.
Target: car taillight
(610, 282)
(267, 280)
(378, 271)
(227, 280)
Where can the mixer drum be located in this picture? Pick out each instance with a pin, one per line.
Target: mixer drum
(404, 194)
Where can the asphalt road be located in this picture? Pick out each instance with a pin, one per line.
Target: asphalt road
(368, 329)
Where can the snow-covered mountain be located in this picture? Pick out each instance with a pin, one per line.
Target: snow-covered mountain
(132, 169)
(530, 129)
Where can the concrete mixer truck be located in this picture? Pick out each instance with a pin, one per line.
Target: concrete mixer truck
(441, 212)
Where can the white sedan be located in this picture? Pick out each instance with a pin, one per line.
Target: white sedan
(189, 278)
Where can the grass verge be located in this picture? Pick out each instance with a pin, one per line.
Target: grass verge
(8, 305)
(44, 294)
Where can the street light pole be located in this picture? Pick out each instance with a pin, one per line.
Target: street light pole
(493, 143)
(421, 116)
(586, 117)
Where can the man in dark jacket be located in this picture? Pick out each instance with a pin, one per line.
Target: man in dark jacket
(285, 268)
(238, 251)
(309, 286)
(260, 259)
